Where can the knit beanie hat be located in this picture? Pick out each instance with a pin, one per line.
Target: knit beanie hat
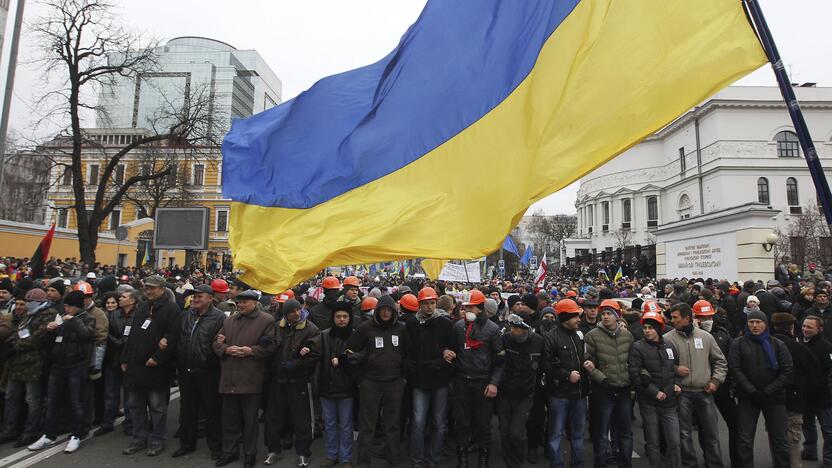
(36, 295)
(530, 300)
(490, 307)
(752, 299)
(756, 315)
(75, 299)
(513, 299)
(58, 285)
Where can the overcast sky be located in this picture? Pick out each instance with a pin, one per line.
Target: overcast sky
(305, 40)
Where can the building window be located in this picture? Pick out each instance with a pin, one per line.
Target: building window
(590, 219)
(626, 213)
(652, 211)
(788, 146)
(222, 220)
(605, 207)
(762, 191)
(791, 192)
(172, 174)
(119, 175)
(63, 218)
(115, 219)
(682, 162)
(93, 177)
(67, 177)
(199, 174)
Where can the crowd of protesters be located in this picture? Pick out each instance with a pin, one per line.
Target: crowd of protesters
(418, 365)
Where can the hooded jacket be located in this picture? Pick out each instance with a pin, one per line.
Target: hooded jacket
(321, 313)
(383, 344)
(337, 382)
(288, 366)
(484, 363)
(426, 367)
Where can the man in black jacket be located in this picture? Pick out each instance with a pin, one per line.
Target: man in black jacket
(805, 371)
(762, 368)
(429, 374)
(822, 308)
(120, 321)
(148, 363)
(199, 373)
(567, 382)
(288, 410)
(71, 337)
(385, 341)
(524, 355)
(819, 402)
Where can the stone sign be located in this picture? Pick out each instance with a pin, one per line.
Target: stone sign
(704, 257)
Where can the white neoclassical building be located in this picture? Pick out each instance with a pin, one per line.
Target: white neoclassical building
(734, 153)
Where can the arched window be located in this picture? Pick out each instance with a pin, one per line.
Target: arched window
(652, 211)
(762, 191)
(791, 192)
(684, 201)
(788, 146)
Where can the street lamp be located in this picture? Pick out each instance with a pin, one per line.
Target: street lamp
(771, 240)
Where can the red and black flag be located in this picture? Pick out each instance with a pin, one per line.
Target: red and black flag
(41, 254)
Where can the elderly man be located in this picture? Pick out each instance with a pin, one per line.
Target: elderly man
(199, 373)
(148, 362)
(244, 345)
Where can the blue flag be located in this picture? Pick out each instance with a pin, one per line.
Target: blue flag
(527, 256)
(510, 246)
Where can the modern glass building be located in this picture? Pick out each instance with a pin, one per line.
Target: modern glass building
(239, 83)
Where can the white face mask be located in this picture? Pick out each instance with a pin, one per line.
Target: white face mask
(470, 316)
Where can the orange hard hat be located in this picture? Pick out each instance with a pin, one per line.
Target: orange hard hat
(84, 287)
(652, 316)
(426, 294)
(571, 293)
(703, 307)
(285, 296)
(476, 298)
(567, 306)
(331, 282)
(409, 302)
(351, 281)
(219, 286)
(369, 303)
(651, 306)
(611, 303)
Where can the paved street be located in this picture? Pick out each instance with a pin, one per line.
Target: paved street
(106, 452)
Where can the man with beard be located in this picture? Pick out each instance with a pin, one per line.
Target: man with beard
(385, 341)
(321, 313)
(336, 387)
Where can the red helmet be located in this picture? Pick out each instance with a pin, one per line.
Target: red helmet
(703, 308)
(219, 286)
(369, 303)
(651, 306)
(84, 287)
(476, 298)
(285, 296)
(331, 282)
(652, 316)
(567, 306)
(426, 294)
(409, 302)
(351, 281)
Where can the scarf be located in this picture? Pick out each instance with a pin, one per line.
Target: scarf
(764, 340)
(33, 307)
(707, 325)
(425, 318)
(687, 330)
(470, 342)
(612, 332)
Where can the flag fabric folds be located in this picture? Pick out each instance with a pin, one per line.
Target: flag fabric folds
(510, 246)
(527, 256)
(41, 254)
(372, 164)
(540, 277)
(618, 275)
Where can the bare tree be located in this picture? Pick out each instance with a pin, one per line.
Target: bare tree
(85, 45)
(551, 230)
(809, 231)
(171, 191)
(623, 238)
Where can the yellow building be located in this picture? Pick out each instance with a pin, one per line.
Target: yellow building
(195, 180)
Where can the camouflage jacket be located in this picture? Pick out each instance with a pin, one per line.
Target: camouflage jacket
(26, 358)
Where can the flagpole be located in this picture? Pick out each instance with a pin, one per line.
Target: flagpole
(792, 104)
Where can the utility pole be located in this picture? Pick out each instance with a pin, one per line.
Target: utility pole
(7, 99)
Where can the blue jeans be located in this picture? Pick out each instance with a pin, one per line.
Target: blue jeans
(559, 411)
(699, 407)
(606, 407)
(156, 405)
(16, 392)
(338, 421)
(114, 394)
(434, 402)
(810, 432)
(63, 381)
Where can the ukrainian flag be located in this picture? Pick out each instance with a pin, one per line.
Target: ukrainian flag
(485, 107)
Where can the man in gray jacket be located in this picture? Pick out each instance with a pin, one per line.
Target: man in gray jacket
(702, 369)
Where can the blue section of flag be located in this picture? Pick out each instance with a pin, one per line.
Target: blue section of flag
(510, 246)
(460, 60)
(527, 256)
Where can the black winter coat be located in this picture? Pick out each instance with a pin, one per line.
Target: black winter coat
(564, 353)
(652, 367)
(287, 365)
(426, 367)
(335, 382)
(806, 373)
(818, 394)
(749, 367)
(723, 340)
(523, 362)
(485, 363)
(152, 322)
(117, 334)
(196, 339)
(382, 345)
(71, 344)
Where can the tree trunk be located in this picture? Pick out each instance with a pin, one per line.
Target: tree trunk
(87, 243)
